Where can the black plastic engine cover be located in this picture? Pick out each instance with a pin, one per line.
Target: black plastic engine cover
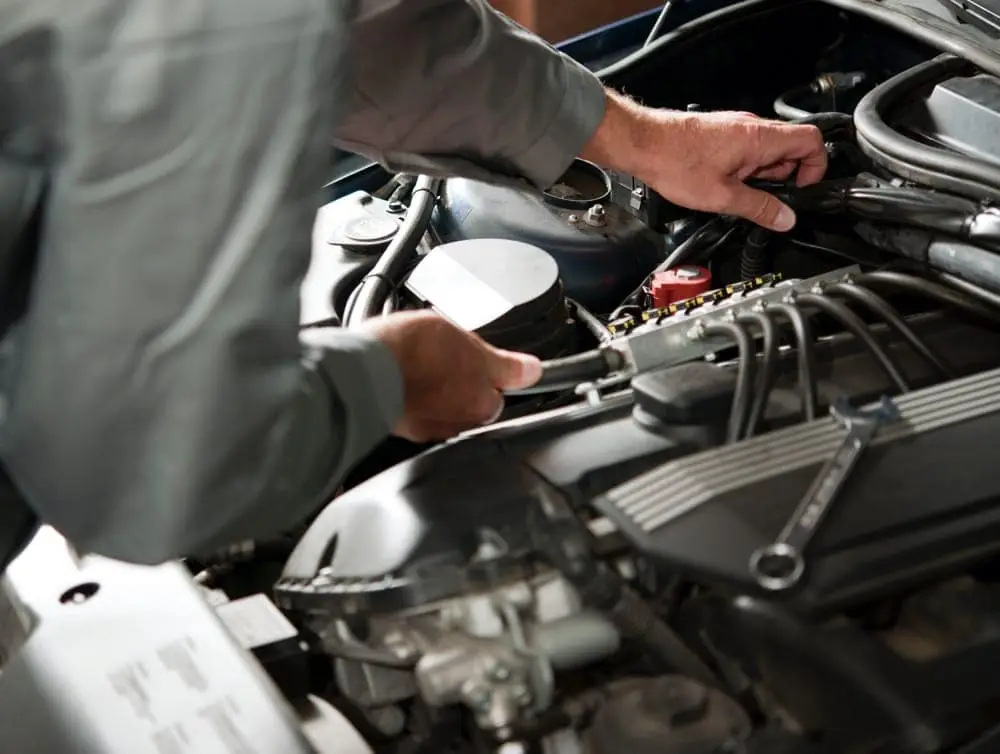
(922, 503)
(456, 519)
(923, 500)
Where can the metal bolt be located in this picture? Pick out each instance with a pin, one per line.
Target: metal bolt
(596, 216)
(573, 219)
(396, 207)
(638, 194)
(590, 392)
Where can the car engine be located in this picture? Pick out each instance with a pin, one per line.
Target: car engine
(752, 505)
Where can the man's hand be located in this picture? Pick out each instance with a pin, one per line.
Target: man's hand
(452, 380)
(701, 160)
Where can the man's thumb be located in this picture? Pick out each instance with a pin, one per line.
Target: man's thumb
(762, 208)
(512, 371)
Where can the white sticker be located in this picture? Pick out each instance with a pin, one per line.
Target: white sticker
(256, 621)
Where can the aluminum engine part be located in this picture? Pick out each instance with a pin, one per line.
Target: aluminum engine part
(494, 652)
(677, 336)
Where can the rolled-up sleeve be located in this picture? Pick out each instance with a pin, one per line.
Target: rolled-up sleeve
(160, 400)
(452, 87)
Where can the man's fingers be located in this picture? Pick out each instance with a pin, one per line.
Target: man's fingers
(778, 172)
(759, 207)
(812, 169)
(779, 143)
(512, 371)
(808, 149)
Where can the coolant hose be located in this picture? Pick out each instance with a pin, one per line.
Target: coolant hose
(913, 160)
(981, 308)
(784, 108)
(376, 287)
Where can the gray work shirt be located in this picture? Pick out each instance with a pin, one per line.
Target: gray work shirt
(158, 397)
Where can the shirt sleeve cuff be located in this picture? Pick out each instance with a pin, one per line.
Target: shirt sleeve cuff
(365, 378)
(576, 121)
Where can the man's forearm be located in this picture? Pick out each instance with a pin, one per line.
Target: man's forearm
(630, 135)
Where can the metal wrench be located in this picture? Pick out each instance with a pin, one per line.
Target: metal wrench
(781, 565)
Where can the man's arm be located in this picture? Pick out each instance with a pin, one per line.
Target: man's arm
(451, 87)
(158, 399)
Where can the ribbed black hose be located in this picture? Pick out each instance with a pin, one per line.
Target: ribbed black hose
(856, 326)
(755, 260)
(804, 355)
(742, 396)
(377, 286)
(768, 367)
(918, 286)
(881, 308)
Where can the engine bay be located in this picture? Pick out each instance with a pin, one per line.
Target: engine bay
(752, 506)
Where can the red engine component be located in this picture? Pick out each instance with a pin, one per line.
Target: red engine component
(680, 283)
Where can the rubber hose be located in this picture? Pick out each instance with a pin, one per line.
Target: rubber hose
(590, 321)
(856, 326)
(755, 259)
(768, 367)
(804, 355)
(567, 373)
(739, 412)
(913, 160)
(828, 123)
(989, 298)
(935, 291)
(784, 108)
(881, 308)
(377, 285)
(390, 304)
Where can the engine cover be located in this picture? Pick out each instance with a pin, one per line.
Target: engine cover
(921, 504)
(921, 500)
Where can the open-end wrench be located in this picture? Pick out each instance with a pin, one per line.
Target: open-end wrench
(781, 565)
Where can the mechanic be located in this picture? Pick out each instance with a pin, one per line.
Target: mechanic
(158, 397)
